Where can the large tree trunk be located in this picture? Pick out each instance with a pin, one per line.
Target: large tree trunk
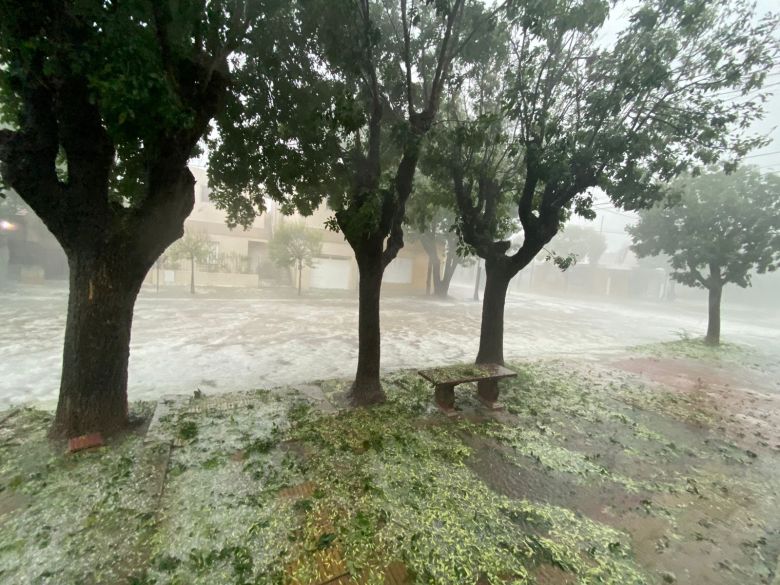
(438, 290)
(491, 338)
(450, 264)
(428, 241)
(367, 388)
(713, 323)
(93, 388)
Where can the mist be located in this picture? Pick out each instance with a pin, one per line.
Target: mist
(249, 329)
(460, 292)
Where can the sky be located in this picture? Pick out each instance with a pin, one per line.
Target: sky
(768, 158)
(612, 221)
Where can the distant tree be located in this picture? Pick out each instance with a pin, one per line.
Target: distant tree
(577, 115)
(196, 246)
(295, 246)
(720, 230)
(584, 242)
(431, 220)
(104, 104)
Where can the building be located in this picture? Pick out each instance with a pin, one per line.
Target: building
(240, 257)
(28, 251)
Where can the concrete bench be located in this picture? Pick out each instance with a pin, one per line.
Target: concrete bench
(486, 376)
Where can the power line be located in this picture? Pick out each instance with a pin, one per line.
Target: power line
(750, 93)
(762, 154)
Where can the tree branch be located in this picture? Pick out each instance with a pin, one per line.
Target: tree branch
(407, 60)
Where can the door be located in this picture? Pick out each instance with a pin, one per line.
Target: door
(331, 273)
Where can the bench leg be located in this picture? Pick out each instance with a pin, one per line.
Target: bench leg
(445, 397)
(487, 392)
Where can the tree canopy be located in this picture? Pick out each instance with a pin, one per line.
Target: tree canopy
(295, 246)
(624, 118)
(431, 220)
(195, 245)
(584, 242)
(102, 105)
(122, 86)
(559, 114)
(293, 243)
(717, 229)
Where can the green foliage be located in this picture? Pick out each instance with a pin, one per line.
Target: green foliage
(716, 228)
(697, 349)
(295, 245)
(187, 430)
(306, 107)
(452, 499)
(80, 516)
(565, 114)
(280, 134)
(195, 245)
(430, 213)
(410, 496)
(562, 262)
(136, 61)
(583, 242)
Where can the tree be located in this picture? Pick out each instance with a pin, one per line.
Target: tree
(575, 116)
(104, 104)
(382, 68)
(722, 228)
(195, 246)
(432, 221)
(583, 242)
(295, 246)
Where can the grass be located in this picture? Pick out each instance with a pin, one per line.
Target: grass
(454, 501)
(696, 349)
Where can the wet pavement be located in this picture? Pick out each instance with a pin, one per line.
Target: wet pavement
(219, 342)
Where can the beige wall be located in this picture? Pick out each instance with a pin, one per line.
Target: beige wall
(206, 217)
(181, 278)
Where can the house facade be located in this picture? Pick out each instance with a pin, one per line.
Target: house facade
(240, 257)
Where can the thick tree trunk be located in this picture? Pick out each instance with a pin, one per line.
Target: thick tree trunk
(367, 388)
(450, 264)
(491, 338)
(192, 275)
(93, 388)
(440, 288)
(436, 273)
(713, 323)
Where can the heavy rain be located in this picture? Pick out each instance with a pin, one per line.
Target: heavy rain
(310, 292)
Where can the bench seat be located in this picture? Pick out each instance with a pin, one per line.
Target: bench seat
(486, 376)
